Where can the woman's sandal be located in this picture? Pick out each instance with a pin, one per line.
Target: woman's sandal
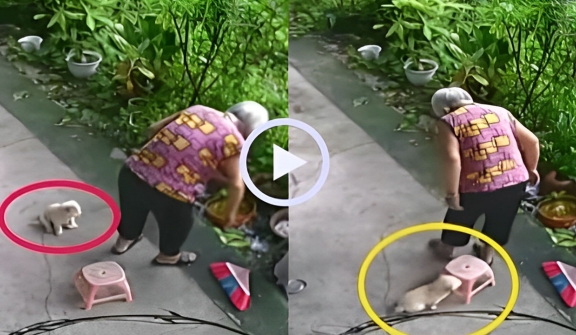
(133, 243)
(186, 258)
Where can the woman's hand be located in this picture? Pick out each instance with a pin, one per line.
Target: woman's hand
(230, 221)
(230, 170)
(534, 177)
(453, 202)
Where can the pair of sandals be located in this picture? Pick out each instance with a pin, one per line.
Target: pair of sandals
(186, 257)
(482, 251)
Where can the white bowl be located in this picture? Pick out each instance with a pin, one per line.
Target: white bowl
(276, 219)
(84, 70)
(30, 43)
(420, 78)
(370, 52)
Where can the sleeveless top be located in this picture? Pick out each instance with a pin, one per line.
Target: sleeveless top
(184, 155)
(490, 157)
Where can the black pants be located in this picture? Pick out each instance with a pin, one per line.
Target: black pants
(499, 207)
(138, 199)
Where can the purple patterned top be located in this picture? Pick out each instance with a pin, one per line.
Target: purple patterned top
(489, 152)
(183, 156)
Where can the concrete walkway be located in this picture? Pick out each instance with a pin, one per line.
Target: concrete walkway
(36, 287)
(369, 195)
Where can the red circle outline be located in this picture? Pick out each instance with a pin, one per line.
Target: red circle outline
(60, 250)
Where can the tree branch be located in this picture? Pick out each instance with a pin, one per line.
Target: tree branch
(216, 42)
(544, 61)
(233, 53)
(184, 46)
(516, 57)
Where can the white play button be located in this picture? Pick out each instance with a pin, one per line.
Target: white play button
(285, 162)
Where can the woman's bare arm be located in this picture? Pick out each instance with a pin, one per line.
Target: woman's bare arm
(529, 145)
(230, 168)
(450, 155)
(155, 128)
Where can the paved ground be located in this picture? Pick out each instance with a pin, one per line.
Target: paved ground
(32, 149)
(37, 287)
(369, 195)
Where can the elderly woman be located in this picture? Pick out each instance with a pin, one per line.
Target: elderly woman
(186, 150)
(489, 157)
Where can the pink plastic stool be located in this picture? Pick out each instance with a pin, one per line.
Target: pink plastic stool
(469, 269)
(106, 278)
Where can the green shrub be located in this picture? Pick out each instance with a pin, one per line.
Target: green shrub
(161, 56)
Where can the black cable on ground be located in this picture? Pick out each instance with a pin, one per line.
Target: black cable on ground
(170, 319)
(397, 319)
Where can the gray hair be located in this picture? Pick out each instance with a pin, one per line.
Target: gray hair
(446, 100)
(251, 114)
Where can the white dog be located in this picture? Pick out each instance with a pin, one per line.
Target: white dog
(429, 295)
(58, 216)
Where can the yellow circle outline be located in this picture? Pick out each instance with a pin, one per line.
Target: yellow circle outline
(428, 227)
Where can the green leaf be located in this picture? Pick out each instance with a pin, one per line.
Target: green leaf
(441, 31)
(239, 244)
(121, 42)
(360, 101)
(233, 237)
(73, 16)
(563, 237)
(149, 74)
(20, 95)
(456, 50)
(40, 16)
(427, 32)
(479, 79)
(143, 46)
(411, 25)
(54, 19)
(119, 27)
(119, 77)
(567, 244)
(280, 35)
(104, 20)
(565, 231)
(235, 231)
(455, 37)
(90, 22)
(378, 26)
(392, 29)
(478, 54)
